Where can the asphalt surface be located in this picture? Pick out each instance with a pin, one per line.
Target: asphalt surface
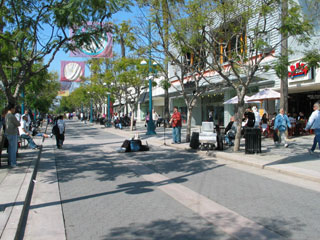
(110, 195)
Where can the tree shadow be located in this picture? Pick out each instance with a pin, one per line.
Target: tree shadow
(165, 229)
(191, 229)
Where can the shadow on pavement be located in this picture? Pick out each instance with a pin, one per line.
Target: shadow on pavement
(164, 229)
(187, 230)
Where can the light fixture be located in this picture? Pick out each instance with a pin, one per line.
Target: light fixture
(143, 62)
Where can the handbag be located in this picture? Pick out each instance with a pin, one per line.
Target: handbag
(55, 129)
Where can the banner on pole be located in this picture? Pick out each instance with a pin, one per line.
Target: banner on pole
(65, 85)
(64, 93)
(71, 71)
(98, 48)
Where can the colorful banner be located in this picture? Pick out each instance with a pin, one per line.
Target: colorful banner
(96, 49)
(65, 85)
(72, 71)
(65, 93)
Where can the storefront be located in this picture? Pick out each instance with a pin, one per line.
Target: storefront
(303, 102)
(304, 88)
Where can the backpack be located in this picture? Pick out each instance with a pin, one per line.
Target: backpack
(135, 145)
(55, 129)
(126, 145)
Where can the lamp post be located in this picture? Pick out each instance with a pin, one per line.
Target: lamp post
(109, 117)
(108, 110)
(91, 110)
(151, 126)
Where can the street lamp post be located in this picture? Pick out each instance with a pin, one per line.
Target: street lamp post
(108, 111)
(109, 117)
(151, 126)
(91, 111)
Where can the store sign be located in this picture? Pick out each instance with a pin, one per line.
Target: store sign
(299, 72)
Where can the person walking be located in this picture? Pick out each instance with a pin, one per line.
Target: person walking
(175, 122)
(282, 123)
(11, 132)
(314, 123)
(62, 127)
(155, 117)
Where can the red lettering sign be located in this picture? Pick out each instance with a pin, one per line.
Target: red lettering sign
(297, 70)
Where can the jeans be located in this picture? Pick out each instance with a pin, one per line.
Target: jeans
(31, 143)
(316, 139)
(282, 136)
(176, 134)
(12, 149)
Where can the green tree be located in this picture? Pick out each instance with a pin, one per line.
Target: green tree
(232, 40)
(160, 9)
(33, 30)
(41, 91)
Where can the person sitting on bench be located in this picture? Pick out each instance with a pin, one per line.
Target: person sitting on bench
(25, 134)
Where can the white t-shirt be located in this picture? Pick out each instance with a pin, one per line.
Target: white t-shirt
(23, 125)
(61, 125)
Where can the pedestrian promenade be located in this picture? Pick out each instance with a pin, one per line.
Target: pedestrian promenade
(16, 184)
(294, 160)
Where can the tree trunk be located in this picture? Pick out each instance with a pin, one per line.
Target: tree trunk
(284, 53)
(189, 118)
(133, 110)
(238, 119)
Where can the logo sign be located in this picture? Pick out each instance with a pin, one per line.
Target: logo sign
(299, 72)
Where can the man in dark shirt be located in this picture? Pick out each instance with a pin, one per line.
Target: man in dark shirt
(249, 115)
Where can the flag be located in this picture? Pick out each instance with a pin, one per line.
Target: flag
(71, 71)
(102, 48)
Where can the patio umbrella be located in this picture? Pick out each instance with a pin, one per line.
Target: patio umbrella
(234, 100)
(265, 94)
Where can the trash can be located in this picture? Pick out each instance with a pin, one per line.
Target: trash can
(194, 142)
(252, 140)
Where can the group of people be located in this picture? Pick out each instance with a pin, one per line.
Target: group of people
(156, 118)
(281, 124)
(15, 126)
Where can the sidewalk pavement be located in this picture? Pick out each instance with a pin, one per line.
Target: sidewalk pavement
(16, 184)
(294, 160)
(15, 190)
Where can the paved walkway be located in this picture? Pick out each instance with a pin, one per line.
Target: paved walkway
(294, 160)
(15, 189)
(16, 185)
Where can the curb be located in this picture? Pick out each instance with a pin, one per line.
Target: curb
(305, 174)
